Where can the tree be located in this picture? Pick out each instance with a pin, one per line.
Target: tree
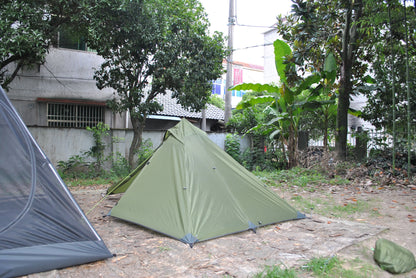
(319, 26)
(389, 66)
(28, 27)
(292, 98)
(151, 47)
(323, 117)
(217, 101)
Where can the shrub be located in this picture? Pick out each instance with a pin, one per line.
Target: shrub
(232, 146)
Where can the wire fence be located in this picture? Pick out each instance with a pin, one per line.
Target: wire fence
(377, 140)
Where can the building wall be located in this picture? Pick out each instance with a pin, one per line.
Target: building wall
(242, 73)
(66, 74)
(270, 73)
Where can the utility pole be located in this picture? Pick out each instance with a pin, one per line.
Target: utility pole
(409, 151)
(229, 76)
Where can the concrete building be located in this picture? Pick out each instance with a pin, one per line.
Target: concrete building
(242, 73)
(59, 99)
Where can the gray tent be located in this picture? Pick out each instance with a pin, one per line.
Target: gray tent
(41, 225)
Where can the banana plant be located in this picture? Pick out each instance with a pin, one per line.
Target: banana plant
(288, 102)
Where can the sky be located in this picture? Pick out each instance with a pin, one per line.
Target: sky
(248, 12)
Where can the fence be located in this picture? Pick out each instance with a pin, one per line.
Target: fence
(375, 140)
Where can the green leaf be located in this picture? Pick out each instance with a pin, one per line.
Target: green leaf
(281, 50)
(256, 87)
(330, 67)
(354, 112)
(307, 83)
(255, 100)
(274, 134)
(368, 79)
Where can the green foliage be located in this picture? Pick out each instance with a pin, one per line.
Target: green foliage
(302, 177)
(288, 102)
(120, 166)
(389, 66)
(154, 47)
(81, 166)
(97, 151)
(28, 28)
(342, 27)
(277, 272)
(145, 151)
(317, 267)
(232, 146)
(322, 265)
(348, 209)
(76, 166)
(217, 101)
(90, 181)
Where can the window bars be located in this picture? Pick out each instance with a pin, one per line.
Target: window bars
(74, 115)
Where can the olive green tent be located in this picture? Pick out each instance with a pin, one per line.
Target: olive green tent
(191, 190)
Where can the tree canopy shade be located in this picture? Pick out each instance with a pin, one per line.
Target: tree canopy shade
(151, 47)
(27, 29)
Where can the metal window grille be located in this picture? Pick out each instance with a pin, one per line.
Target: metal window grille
(74, 115)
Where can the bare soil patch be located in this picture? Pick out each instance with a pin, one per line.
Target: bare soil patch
(144, 253)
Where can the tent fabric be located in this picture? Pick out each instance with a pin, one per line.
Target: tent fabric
(192, 190)
(41, 225)
(392, 257)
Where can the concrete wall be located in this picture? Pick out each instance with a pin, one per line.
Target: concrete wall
(59, 144)
(66, 74)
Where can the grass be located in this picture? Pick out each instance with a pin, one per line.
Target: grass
(312, 180)
(321, 267)
(309, 179)
(277, 272)
(72, 182)
(326, 204)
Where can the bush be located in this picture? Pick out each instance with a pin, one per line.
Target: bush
(232, 146)
(145, 151)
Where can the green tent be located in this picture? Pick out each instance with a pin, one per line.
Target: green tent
(192, 190)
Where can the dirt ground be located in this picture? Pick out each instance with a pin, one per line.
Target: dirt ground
(143, 253)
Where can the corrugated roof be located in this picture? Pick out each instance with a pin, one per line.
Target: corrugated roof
(172, 108)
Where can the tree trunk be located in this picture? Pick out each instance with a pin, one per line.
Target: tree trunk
(292, 148)
(138, 126)
(349, 39)
(326, 132)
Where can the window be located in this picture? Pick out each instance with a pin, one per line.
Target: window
(238, 76)
(74, 115)
(218, 87)
(70, 39)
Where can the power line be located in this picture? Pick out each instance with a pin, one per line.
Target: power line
(254, 46)
(255, 26)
